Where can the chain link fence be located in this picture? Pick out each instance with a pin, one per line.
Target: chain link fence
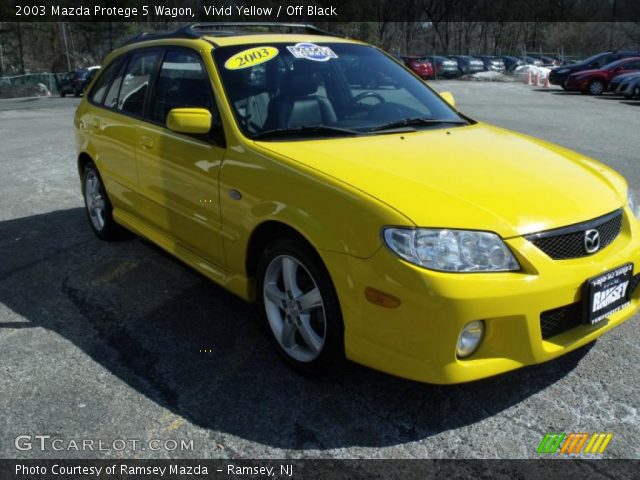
(31, 84)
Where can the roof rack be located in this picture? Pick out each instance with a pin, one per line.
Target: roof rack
(224, 26)
(199, 30)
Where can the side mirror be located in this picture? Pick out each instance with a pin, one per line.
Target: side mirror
(448, 97)
(189, 120)
(595, 65)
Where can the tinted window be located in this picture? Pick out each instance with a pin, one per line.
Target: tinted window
(632, 65)
(182, 82)
(136, 82)
(102, 84)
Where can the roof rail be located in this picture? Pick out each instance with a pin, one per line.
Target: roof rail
(226, 26)
(159, 35)
(198, 30)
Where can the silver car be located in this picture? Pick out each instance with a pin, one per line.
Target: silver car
(629, 86)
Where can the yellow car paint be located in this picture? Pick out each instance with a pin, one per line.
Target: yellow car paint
(339, 193)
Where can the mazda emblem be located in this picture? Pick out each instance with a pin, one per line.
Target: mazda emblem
(591, 241)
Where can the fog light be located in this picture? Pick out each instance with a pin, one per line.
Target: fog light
(470, 338)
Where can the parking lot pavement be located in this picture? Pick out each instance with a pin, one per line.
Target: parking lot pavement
(121, 342)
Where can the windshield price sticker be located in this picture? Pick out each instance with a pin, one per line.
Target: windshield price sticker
(251, 57)
(311, 51)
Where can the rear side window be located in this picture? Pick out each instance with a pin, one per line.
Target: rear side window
(111, 100)
(102, 84)
(136, 82)
(182, 82)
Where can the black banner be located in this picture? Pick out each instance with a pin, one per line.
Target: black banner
(317, 469)
(321, 10)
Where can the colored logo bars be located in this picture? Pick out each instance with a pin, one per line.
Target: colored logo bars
(574, 443)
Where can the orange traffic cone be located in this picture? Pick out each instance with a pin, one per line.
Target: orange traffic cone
(537, 82)
(546, 82)
(528, 80)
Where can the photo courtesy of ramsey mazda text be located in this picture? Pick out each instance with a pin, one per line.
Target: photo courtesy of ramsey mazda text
(377, 225)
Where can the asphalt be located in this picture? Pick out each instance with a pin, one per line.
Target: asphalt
(109, 341)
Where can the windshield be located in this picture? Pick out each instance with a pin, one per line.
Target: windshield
(300, 87)
(612, 65)
(592, 59)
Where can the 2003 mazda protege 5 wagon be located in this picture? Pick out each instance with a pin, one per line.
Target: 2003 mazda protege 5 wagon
(375, 224)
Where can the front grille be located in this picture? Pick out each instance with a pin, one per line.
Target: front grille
(568, 242)
(559, 320)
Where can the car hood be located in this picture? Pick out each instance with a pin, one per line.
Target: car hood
(627, 76)
(586, 72)
(475, 177)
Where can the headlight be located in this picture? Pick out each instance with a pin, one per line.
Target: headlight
(633, 202)
(562, 70)
(451, 250)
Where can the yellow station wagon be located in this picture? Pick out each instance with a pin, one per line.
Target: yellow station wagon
(367, 217)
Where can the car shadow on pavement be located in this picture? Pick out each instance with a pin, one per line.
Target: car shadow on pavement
(197, 350)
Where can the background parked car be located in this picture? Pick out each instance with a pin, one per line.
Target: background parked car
(559, 75)
(421, 66)
(492, 63)
(595, 82)
(76, 81)
(630, 87)
(65, 85)
(444, 67)
(467, 64)
(621, 81)
(511, 63)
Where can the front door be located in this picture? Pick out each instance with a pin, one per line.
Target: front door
(178, 173)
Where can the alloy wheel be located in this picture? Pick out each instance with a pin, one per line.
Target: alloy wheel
(294, 308)
(94, 200)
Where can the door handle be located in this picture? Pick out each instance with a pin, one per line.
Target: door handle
(146, 142)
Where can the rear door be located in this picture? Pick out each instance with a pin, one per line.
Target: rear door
(178, 173)
(113, 127)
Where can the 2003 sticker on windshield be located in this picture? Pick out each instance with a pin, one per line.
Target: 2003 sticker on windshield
(251, 57)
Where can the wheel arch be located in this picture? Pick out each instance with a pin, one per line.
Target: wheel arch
(265, 233)
(83, 159)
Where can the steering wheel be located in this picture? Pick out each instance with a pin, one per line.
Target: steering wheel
(363, 95)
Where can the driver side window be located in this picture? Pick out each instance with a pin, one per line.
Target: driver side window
(181, 83)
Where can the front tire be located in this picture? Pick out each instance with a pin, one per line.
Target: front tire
(596, 87)
(300, 307)
(97, 205)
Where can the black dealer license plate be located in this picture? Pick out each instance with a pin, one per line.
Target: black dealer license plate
(607, 293)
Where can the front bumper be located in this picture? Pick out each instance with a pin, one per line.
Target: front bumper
(557, 79)
(574, 84)
(417, 340)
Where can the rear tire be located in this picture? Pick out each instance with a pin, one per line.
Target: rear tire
(97, 205)
(300, 307)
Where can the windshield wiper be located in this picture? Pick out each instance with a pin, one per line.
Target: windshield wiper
(307, 130)
(409, 122)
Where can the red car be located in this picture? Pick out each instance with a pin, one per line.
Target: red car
(420, 66)
(595, 82)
